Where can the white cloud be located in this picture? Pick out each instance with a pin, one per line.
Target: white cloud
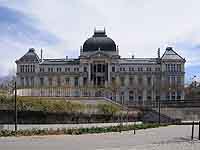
(137, 26)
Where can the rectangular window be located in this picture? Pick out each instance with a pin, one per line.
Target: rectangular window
(32, 81)
(122, 81)
(178, 95)
(149, 97)
(173, 95)
(50, 82)
(178, 67)
(131, 69)
(33, 68)
(76, 82)
(67, 69)
(67, 81)
(104, 68)
(167, 96)
(27, 82)
(113, 69)
(50, 69)
(140, 69)
(113, 80)
(149, 81)
(85, 69)
(131, 96)
(41, 81)
(140, 80)
(168, 80)
(131, 80)
(84, 81)
(173, 79)
(58, 81)
(41, 69)
(21, 68)
(26, 68)
(157, 69)
(22, 81)
(59, 69)
(98, 67)
(148, 69)
(179, 80)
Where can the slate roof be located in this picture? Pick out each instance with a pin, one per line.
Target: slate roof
(170, 54)
(138, 61)
(30, 56)
(60, 62)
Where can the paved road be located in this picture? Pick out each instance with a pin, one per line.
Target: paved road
(164, 138)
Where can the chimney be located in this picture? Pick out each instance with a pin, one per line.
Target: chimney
(66, 57)
(133, 56)
(41, 54)
(158, 52)
(81, 50)
(117, 50)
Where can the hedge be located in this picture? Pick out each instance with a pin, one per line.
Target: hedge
(77, 131)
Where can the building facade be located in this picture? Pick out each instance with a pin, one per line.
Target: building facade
(100, 71)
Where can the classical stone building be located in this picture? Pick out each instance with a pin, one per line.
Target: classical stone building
(100, 71)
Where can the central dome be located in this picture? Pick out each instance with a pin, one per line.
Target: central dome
(99, 41)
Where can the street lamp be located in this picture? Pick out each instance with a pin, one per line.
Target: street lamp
(15, 92)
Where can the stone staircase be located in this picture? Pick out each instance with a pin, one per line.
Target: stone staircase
(95, 100)
(152, 116)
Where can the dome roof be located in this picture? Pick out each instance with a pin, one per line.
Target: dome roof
(99, 41)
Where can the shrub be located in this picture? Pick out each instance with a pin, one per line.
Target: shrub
(77, 131)
(108, 108)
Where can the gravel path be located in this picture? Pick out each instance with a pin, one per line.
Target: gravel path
(163, 138)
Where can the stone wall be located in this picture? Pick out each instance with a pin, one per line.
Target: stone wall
(187, 113)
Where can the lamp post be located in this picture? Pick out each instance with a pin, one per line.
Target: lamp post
(159, 111)
(15, 90)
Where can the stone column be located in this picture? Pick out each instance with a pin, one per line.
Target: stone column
(89, 74)
(144, 89)
(118, 96)
(136, 80)
(72, 81)
(62, 79)
(126, 97)
(81, 81)
(118, 80)
(45, 81)
(109, 71)
(127, 80)
(144, 96)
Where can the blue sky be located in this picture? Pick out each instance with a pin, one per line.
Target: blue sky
(139, 27)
